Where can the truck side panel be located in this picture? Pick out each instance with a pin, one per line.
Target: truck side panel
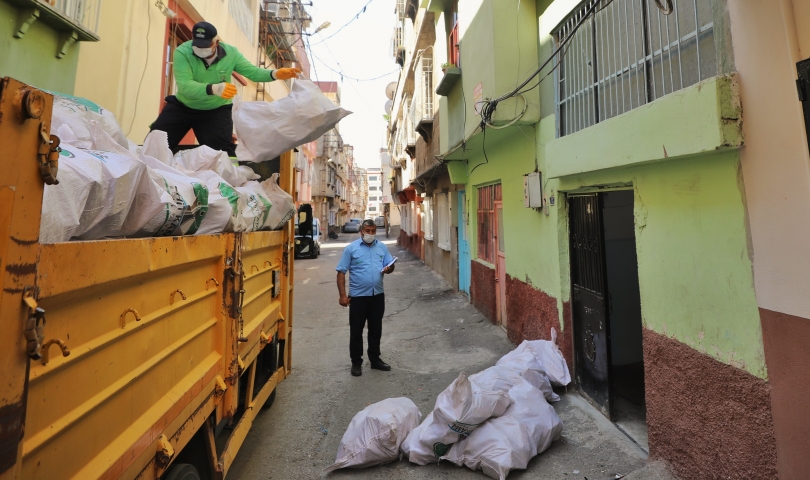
(145, 324)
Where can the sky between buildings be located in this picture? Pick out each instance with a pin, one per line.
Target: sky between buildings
(361, 51)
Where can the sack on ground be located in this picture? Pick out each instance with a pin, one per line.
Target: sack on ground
(459, 410)
(509, 442)
(283, 207)
(268, 129)
(541, 355)
(504, 377)
(376, 433)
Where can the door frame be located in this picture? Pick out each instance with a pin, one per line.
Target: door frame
(465, 260)
(500, 266)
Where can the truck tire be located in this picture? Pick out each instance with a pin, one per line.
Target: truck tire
(182, 471)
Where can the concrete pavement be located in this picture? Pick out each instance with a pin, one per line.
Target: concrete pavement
(430, 333)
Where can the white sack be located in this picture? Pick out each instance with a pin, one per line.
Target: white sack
(376, 433)
(206, 158)
(542, 355)
(184, 215)
(283, 207)
(254, 206)
(223, 206)
(509, 442)
(78, 114)
(100, 194)
(268, 129)
(505, 377)
(459, 410)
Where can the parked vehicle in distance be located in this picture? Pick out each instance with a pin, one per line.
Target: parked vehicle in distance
(380, 221)
(351, 226)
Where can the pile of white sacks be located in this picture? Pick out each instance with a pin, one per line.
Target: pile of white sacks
(109, 187)
(496, 420)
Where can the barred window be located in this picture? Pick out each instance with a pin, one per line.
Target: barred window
(443, 208)
(628, 53)
(487, 196)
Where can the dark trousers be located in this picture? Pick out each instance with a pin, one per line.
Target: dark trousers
(362, 309)
(213, 128)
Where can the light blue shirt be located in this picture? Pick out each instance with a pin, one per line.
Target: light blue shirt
(364, 263)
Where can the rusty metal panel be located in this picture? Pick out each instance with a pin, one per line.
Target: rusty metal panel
(144, 322)
(24, 114)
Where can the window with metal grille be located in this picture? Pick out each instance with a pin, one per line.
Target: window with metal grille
(487, 196)
(427, 218)
(628, 53)
(427, 86)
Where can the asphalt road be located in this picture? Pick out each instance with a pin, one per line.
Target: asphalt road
(430, 334)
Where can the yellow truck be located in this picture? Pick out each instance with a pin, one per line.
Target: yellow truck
(134, 358)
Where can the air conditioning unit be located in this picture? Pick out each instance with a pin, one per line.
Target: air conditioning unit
(271, 7)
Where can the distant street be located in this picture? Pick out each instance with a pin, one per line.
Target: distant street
(430, 333)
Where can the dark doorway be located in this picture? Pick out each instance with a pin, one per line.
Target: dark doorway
(607, 308)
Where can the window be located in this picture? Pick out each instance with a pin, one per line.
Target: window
(443, 209)
(372, 208)
(628, 54)
(372, 199)
(487, 196)
(405, 219)
(427, 218)
(372, 188)
(372, 178)
(453, 55)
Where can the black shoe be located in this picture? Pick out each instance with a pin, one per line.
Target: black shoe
(357, 370)
(380, 365)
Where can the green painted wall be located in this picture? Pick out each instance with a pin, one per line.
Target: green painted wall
(694, 270)
(32, 59)
(694, 267)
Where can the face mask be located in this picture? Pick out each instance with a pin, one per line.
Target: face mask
(203, 52)
(369, 238)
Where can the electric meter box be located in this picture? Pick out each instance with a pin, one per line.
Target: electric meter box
(532, 190)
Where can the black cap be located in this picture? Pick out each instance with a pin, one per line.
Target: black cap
(202, 34)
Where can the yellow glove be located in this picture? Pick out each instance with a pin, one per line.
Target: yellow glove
(286, 73)
(225, 90)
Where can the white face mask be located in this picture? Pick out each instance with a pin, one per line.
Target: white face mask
(203, 52)
(369, 238)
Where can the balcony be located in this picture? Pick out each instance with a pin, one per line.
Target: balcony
(76, 19)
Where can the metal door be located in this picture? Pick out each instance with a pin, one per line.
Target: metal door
(500, 265)
(589, 289)
(463, 245)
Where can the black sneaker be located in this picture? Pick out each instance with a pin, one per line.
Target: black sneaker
(380, 365)
(357, 370)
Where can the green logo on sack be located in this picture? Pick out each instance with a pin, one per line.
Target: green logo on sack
(200, 207)
(231, 195)
(439, 449)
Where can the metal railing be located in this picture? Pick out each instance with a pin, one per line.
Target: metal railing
(628, 53)
(85, 13)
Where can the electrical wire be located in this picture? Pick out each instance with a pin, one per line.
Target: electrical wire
(490, 105)
(342, 75)
(363, 10)
(145, 64)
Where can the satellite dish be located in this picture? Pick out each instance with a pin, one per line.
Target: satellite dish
(390, 90)
(389, 105)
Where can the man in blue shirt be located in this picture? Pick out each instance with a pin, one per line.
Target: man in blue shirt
(366, 259)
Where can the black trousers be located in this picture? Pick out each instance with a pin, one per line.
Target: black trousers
(362, 309)
(213, 128)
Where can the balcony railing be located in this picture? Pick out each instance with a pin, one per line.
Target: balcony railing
(78, 16)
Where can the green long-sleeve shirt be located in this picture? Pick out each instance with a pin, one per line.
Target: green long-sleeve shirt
(193, 75)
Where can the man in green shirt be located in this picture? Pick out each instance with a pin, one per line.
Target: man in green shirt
(202, 70)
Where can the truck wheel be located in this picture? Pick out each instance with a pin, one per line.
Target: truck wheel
(182, 471)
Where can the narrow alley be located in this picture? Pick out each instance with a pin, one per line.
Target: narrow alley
(430, 333)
